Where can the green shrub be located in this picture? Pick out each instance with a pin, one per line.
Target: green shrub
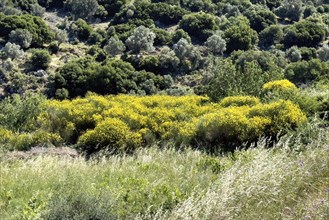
(40, 59)
(53, 47)
(307, 71)
(81, 29)
(20, 113)
(199, 26)
(39, 30)
(305, 33)
(240, 36)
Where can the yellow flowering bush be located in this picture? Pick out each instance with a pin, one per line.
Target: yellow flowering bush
(282, 113)
(5, 135)
(24, 141)
(279, 85)
(124, 122)
(111, 134)
(239, 101)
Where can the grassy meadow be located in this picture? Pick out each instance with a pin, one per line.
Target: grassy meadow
(168, 183)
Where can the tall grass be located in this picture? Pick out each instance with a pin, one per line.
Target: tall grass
(117, 187)
(154, 183)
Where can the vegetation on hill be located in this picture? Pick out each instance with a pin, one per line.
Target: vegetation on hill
(177, 109)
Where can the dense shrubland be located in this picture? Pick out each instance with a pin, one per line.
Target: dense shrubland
(123, 123)
(224, 51)
(185, 99)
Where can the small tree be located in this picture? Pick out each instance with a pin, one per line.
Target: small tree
(240, 37)
(293, 54)
(168, 59)
(216, 44)
(13, 51)
(81, 8)
(291, 9)
(21, 37)
(141, 40)
(40, 59)
(114, 46)
(179, 34)
(271, 36)
(323, 53)
(188, 55)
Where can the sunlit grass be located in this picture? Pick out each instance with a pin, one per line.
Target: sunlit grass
(258, 183)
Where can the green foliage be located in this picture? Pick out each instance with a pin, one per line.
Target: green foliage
(307, 71)
(324, 53)
(179, 34)
(293, 54)
(222, 78)
(216, 44)
(240, 36)
(199, 25)
(198, 5)
(21, 37)
(84, 9)
(292, 10)
(53, 47)
(111, 77)
(112, 6)
(271, 35)
(81, 29)
(142, 39)
(29, 6)
(13, 51)
(162, 37)
(305, 33)
(308, 53)
(40, 59)
(41, 33)
(189, 55)
(20, 113)
(114, 46)
(166, 13)
(260, 18)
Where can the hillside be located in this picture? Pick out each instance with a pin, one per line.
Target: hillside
(164, 109)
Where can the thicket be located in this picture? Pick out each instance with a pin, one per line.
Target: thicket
(139, 121)
(40, 32)
(112, 77)
(211, 48)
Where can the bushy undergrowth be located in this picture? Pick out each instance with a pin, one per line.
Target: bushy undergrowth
(96, 123)
(257, 183)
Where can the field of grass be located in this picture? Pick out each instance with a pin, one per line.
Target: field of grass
(153, 183)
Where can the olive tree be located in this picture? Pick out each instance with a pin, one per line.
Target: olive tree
(291, 9)
(13, 51)
(142, 39)
(293, 54)
(81, 8)
(189, 56)
(216, 44)
(323, 53)
(114, 46)
(21, 37)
